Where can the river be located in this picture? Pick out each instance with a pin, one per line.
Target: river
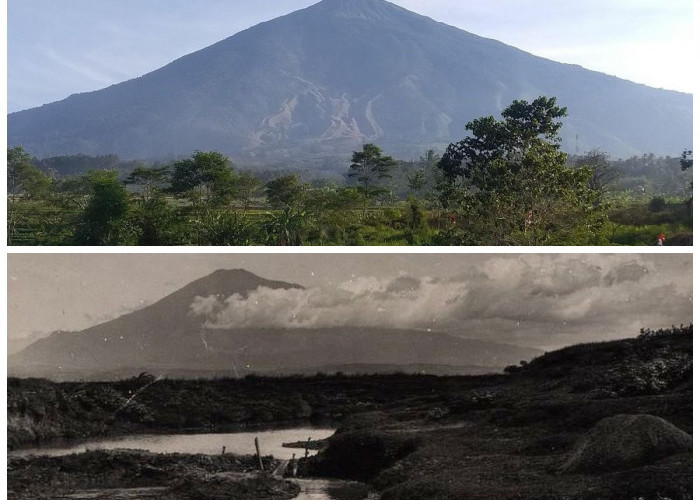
(238, 443)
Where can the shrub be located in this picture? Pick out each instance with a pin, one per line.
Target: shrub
(657, 204)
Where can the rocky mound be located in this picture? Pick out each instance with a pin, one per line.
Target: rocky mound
(626, 441)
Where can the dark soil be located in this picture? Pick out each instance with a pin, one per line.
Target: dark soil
(509, 438)
(412, 437)
(105, 474)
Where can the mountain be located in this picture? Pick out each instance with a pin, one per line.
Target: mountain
(164, 338)
(319, 82)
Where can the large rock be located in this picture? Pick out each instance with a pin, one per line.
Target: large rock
(626, 441)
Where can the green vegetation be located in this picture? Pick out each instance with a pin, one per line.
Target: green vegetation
(512, 185)
(506, 183)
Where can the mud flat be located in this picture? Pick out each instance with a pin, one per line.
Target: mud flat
(127, 474)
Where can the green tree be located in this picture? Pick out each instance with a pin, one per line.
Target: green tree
(73, 192)
(247, 188)
(204, 177)
(332, 212)
(25, 178)
(17, 161)
(103, 220)
(368, 167)
(158, 224)
(149, 181)
(285, 191)
(687, 160)
(24, 182)
(604, 173)
(687, 164)
(512, 183)
(424, 180)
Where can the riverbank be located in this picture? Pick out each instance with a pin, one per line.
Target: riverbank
(40, 411)
(271, 442)
(510, 436)
(112, 474)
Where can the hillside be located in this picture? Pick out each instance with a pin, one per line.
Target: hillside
(166, 339)
(514, 437)
(317, 83)
(421, 437)
(103, 353)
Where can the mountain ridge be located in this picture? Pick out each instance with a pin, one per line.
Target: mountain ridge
(320, 81)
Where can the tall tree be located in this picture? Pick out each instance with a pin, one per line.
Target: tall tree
(687, 160)
(102, 221)
(24, 177)
(687, 164)
(513, 185)
(150, 181)
(603, 173)
(368, 167)
(247, 187)
(285, 192)
(204, 177)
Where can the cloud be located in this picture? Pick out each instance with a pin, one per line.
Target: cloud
(628, 271)
(206, 306)
(401, 302)
(533, 300)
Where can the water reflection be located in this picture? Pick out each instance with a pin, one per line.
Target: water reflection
(239, 443)
(321, 489)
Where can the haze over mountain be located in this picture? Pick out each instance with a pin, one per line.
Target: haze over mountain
(318, 82)
(167, 338)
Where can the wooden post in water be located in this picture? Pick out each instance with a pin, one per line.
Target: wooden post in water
(223, 450)
(306, 448)
(257, 452)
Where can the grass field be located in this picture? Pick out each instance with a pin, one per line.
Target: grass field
(632, 223)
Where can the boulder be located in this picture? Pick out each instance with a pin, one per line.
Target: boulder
(627, 441)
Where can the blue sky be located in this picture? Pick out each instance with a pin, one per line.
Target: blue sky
(59, 47)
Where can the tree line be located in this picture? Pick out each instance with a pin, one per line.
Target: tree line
(506, 183)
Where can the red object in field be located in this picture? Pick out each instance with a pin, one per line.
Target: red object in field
(529, 218)
(660, 238)
(453, 219)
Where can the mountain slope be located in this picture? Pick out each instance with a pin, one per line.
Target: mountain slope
(320, 81)
(165, 338)
(136, 338)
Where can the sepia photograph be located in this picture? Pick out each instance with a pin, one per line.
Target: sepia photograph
(350, 123)
(257, 376)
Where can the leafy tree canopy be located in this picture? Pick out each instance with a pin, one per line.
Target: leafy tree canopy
(512, 183)
(285, 191)
(23, 177)
(102, 220)
(604, 174)
(369, 166)
(151, 181)
(206, 176)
